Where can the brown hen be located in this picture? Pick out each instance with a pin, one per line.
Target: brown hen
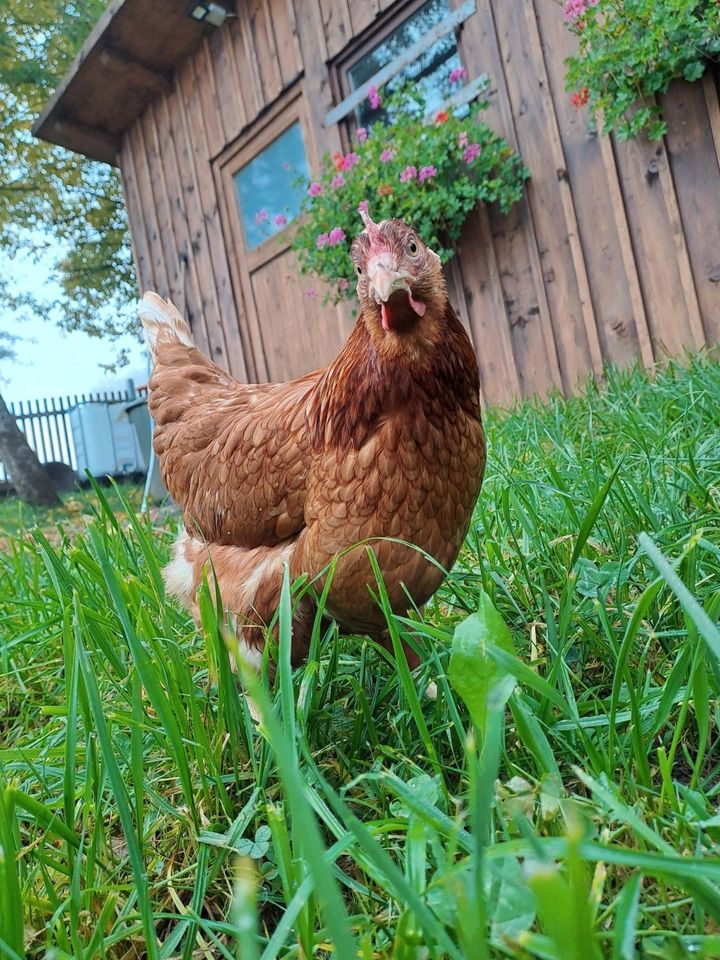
(385, 442)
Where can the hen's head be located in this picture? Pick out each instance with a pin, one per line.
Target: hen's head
(400, 284)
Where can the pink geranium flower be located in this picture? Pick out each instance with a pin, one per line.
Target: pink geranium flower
(315, 189)
(427, 173)
(409, 173)
(471, 152)
(462, 139)
(343, 285)
(349, 160)
(363, 206)
(321, 240)
(574, 9)
(336, 236)
(337, 181)
(458, 74)
(374, 98)
(387, 155)
(361, 134)
(280, 220)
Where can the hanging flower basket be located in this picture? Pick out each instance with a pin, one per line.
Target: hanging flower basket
(430, 172)
(631, 50)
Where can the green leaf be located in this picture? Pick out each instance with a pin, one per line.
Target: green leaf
(475, 675)
(694, 70)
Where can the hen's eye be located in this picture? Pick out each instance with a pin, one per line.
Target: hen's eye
(412, 248)
(358, 270)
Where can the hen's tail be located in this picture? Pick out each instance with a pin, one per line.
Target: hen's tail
(162, 323)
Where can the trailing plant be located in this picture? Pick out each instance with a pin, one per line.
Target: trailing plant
(431, 172)
(630, 50)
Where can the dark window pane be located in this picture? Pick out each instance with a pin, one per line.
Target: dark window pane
(266, 193)
(430, 72)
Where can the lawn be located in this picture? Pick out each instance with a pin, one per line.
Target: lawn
(558, 800)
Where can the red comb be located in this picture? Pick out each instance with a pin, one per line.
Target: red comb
(370, 226)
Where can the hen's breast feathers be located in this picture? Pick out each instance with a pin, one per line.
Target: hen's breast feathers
(234, 456)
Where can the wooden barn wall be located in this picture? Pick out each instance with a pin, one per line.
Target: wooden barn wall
(613, 255)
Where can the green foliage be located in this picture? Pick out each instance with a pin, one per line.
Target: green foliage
(430, 173)
(630, 50)
(558, 800)
(50, 198)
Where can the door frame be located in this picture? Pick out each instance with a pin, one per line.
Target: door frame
(289, 108)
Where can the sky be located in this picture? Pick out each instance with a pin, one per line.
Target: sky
(50, 363)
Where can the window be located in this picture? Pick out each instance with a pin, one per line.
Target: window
(267, 193)
(431, 71)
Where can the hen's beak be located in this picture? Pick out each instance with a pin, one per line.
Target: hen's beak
(384, 280)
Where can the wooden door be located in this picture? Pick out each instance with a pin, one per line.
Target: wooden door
(290, 330)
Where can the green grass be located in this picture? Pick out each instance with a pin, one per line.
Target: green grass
(558, 800)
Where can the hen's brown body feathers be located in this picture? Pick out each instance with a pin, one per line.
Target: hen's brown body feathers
(371, 447)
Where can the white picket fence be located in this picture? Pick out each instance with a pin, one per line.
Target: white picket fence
(46, 424)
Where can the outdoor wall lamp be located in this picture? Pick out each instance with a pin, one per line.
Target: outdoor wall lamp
(207, 12)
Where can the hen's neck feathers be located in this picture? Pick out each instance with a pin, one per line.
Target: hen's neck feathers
(363, 387)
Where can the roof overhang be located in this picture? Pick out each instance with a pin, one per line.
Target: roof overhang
(126, 62)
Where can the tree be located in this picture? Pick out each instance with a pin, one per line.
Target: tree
(49, 195)
(29, 477)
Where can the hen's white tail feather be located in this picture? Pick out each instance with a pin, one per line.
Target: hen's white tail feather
(162, 322)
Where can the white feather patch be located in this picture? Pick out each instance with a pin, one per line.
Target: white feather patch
(179, 574)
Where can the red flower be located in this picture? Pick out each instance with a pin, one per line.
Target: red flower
(384, 190)
(442, 116)
(580, 97)
(339, 160)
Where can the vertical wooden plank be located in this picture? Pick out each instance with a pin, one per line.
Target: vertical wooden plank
(695, 174)
(223, 315)
(192, 219)
(149, 214)
(515, 250)
(617, 205)
(639, 163)
(712, 104)
(318, 92)
(456, 295)
(362, 14)
(180, 262)
(247, 61)
(590, 170)
(489, 324)
(137, 217)
(549, 194)
(263, 39)
(337, 25)
(683, 260)
(207, 93)
(281, 15)
(230, 103)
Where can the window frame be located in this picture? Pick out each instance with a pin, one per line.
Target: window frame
(285, 112)
(361, 45)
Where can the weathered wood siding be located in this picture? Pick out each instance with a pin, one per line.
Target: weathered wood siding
(613, 255)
